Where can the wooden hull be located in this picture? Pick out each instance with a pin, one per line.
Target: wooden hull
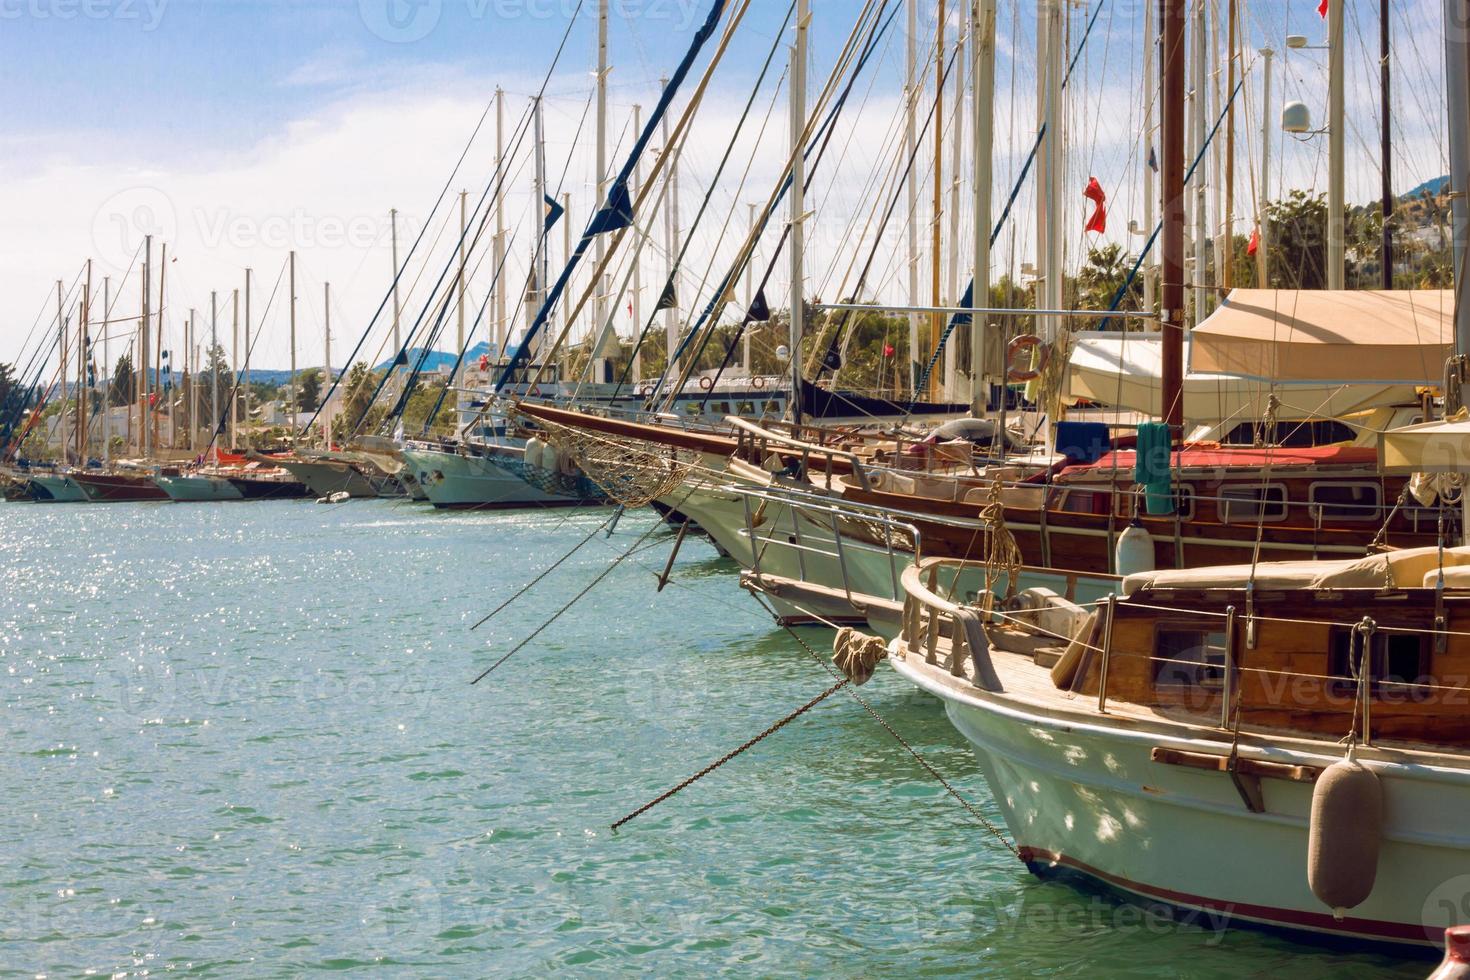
(251, 488)
(115, 488)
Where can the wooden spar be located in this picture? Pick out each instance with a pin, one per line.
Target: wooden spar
(248, 399)
(84, 390)
(213, 374)
(327, 364)
(158, 347)
(911, 191)
(459, 279)
(235, 364)
(189, 380)
(106, 373)
(936, 322)
(501, 278)
(61, 325)
(798, 202)
(637, 374)
(671, 244)
(291, 297)
(1227, 254)
(1172, 53)
(1386, 112)
(397, 303)
(599, 306)
(982, 96)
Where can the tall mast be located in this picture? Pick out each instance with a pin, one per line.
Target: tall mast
(327, 364)
(248, 398)
(1336, 141)
(105, 375)
(189, 377)
(638, 253)
(956, 147)
(1226, 258)
(566, 253)
(671, 244)
(911, 149)
(1149, 154)
(1172, 55)
(291, 294)
(158, 377)
(63, 437)
(500, 172)
(936, 321)
(543, 263)
(1049, 172)
(1201, 190)
(599, 306)
(1457, 78)
(982, 99)
(749, 298)
(84, 346)
(213, 374)
(140, 386)
(460, 283)
(1386, 110)
(397, 302)
(1263, 257)
(798, 200)
(235, 363)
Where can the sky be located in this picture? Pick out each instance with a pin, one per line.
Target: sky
(238, 130)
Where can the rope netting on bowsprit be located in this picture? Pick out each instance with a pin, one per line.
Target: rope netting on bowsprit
(632, 472)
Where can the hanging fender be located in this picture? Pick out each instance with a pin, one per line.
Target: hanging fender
(1022, 344)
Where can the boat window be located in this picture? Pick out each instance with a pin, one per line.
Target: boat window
(1188, 658)
(1346, 501)
(1400, 662)
(1249, 504)
(746, 409)
(693, 408)
(1127, 503)
(720, 408)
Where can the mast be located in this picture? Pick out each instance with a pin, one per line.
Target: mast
(1226, 258)
(936, 321)
(235, 364)
(327, 369)
(140, 388)
(189, 374)
(1336, 141)
(1049, 173)
(500, 337)
(671, 245)
(543, 264)
(1149, 155)
(1386, 110)
(106, 373)
(1171, 53)
(911, 149)
(599, 305)
(84, 345)
(1263, 258)
(158, 378)
(566, 253)
(749, 299)
(248, 399)
(291, 294)
(397, 302)
(1201, 190)
(1457, 78)
(956, 145)
(637, 300)
(63, 437)
(460, 284)
(213, 374)
(982, 100)
(798, 200)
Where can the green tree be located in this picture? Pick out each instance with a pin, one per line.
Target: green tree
(123, 390)
(308, 390)
(1103, 275)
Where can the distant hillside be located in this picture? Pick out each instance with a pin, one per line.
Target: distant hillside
(1434, 188)
(439, 360)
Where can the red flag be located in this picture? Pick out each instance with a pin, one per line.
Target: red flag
(1255, 243)
(1094, 193)
(888, 350)
(1323, 7)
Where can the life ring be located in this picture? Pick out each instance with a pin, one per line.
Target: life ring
(645, 389)
(706, 384)
(757, 382)
(1026, 342)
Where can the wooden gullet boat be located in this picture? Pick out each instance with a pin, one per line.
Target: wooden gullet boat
(118, 487)
(1169, 743)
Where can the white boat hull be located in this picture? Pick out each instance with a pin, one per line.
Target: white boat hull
(1089, 800)
(478, 482)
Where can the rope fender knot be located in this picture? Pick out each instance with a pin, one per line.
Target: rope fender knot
(857, 654)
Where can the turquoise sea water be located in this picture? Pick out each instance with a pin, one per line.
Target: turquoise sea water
(240, 740)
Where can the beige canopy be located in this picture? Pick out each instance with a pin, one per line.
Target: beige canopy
(1291, 335)
(1433, 447)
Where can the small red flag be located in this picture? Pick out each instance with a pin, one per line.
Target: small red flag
(1323, 7)
(1255, 243)
(888, 350)
(1094, 193)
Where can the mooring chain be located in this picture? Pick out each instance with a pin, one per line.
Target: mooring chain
(733, 753)
(994, 831)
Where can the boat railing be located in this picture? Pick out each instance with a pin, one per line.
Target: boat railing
(898, 540)
(757, 441)
(929, 618)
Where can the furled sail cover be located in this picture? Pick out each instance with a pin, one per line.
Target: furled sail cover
(1123, 371)
(1433, 447)
(1290, 335)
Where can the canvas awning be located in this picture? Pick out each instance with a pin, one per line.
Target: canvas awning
(1123, 371)
(1400, 336)
(1433, 447)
